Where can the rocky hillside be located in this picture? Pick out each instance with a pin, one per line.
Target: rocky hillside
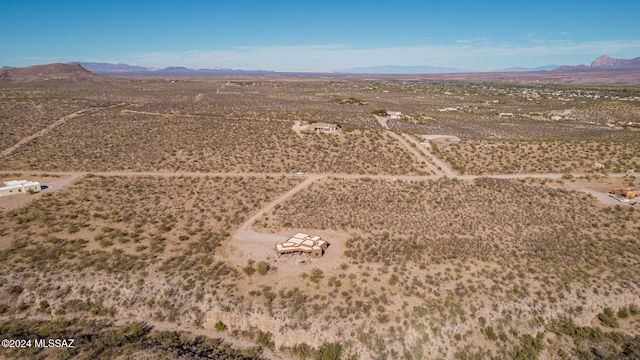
(72, 71)
(609, 62)
(605, 63)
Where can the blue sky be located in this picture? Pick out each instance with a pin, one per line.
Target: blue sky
(320, 35)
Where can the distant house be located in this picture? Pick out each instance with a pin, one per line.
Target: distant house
(506, 115)
(448, 109)
(302, 243)
(394, 114)
(324, 127)
(15, 187)
(629, 192)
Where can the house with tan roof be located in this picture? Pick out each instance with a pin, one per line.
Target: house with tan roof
(302, 243)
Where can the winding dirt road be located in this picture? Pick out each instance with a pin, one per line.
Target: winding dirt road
(246, 233)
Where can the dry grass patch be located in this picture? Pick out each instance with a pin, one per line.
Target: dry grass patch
(482, 157)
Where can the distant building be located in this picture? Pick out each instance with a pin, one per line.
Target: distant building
(506, 115)
(302, 243)
(14, 187)
(629, 192)
(394, 114)
(324, 127)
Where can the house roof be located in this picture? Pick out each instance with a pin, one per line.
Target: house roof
(301, 242)
(324, 125)
(14, 182)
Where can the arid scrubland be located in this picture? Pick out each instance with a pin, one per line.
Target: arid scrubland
(25, 111)
(483, 157)
(138, 248)
(252, 135)
(209, 144)
(431, 268)
(471, 268)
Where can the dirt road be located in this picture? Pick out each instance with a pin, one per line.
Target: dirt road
(10, 150)
(441, 167)
(245, 233)
(415, 153)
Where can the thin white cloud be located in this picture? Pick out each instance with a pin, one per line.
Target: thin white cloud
(475, 55)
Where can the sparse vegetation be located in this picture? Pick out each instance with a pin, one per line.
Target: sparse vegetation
(418, 267)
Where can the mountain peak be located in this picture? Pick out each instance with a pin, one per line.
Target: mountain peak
(604, 63)
(608, 61)
(604, 60)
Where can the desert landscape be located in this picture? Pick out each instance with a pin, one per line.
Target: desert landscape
(467, 216)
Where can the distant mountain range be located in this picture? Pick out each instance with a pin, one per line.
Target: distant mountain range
(621, 70)
(523, 69)
(124, 69)
(397, 69)
(603, 62)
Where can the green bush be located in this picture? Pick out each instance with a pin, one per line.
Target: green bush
(490, 333)
(14, 290)
(329, 351)
(316, 275)
(623, 313)
(530, 347)
(262, 268)
(220, 326)
(44, 305)
(265, 339)
(607, 318)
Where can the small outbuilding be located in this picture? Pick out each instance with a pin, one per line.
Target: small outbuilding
(324, 127)
(394, 114)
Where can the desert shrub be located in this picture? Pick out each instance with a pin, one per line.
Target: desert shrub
(316, 275)
(490, 333)
(623, 313)
(265, 339)
(607, 318)
(330, 351)
(14, 290)
(530, 347)
(262, 268)
(249, 270)
(220, 326)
